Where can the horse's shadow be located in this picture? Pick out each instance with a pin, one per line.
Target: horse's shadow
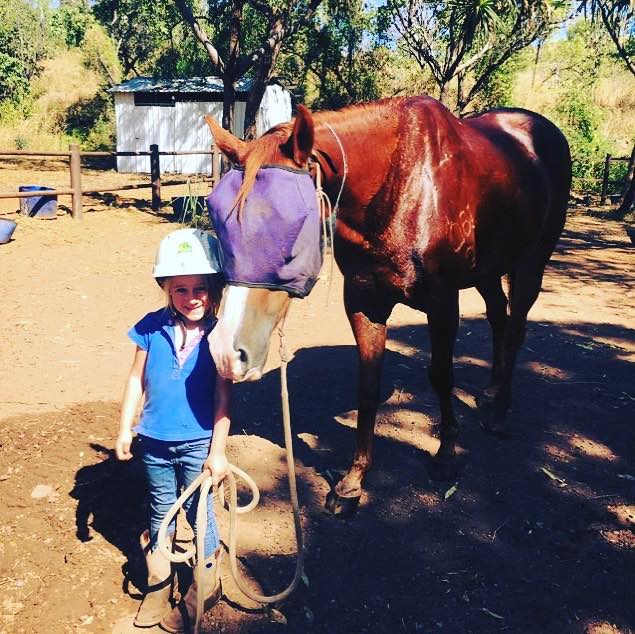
(322, 384)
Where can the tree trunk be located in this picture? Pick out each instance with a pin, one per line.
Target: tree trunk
(229, 99)
(263, 73)
(443, 91)
(628, 202)
(460, 96)
(251, 109)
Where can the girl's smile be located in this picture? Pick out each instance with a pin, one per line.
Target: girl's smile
(190, 297)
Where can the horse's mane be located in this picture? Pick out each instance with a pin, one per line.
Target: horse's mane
(267, 149)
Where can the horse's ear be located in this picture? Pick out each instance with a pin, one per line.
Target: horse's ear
(300, 143)
(231, 146)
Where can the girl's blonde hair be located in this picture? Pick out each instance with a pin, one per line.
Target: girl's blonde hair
(214, 285)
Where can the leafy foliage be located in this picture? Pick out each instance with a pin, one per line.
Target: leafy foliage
(70, 22)
(579, 119)
(467, 40)
(498, 89)
(99, 53)
(15, 86)
(340, 60)
(618, 18)
(22, 47)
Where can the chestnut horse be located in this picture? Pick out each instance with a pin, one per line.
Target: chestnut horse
(427, 204)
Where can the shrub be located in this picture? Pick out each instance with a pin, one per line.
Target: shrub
(91, 122)
(100, 55)
(580, 121)
(71, 21)
(14, 85)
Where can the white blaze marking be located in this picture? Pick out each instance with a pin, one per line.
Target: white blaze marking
(222, 338)
(234, 309)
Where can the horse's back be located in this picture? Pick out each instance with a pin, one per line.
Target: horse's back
(506, 173)
(538, 140)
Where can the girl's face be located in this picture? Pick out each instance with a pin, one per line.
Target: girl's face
(189, 296)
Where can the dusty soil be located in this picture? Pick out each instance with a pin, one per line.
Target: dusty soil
(537, 534)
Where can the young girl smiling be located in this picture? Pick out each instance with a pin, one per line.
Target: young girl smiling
(185, 419)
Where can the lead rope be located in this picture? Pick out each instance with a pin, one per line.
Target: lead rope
(204, 481)
(324, 205)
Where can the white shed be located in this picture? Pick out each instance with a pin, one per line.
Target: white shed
(169, 112)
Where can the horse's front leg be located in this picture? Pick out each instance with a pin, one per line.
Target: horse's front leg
(367, 313)
(443, 321)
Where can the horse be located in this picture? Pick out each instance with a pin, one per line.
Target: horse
(427, 204)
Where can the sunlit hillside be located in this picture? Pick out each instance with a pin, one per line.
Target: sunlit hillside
(65, 83)
(540, 89)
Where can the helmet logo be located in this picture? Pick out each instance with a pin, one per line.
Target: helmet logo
(184, 247)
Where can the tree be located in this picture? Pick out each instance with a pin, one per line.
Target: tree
(468, 40)
(618, 17)
(141, 30)
(23, 45)
(270, 24)
(338, 60)
(71, 20)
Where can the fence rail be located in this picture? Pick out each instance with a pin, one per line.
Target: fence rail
(75, 155)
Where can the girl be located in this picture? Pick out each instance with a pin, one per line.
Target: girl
(185, 401)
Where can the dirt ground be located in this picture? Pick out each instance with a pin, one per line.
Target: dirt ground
(537, 534)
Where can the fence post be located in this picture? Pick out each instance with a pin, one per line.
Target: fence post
(215, 165)
(155, 177)
(76, 180)
(605, 179)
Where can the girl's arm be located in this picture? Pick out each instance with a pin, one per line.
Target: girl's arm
(131, 397)
(217, 462)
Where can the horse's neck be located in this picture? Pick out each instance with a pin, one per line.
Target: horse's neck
(332, 150)
(345, 144)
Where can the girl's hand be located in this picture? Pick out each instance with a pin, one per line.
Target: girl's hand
(218, 465)
(122, 446)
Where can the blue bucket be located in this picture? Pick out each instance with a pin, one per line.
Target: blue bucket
(7, 227)
(38, 206)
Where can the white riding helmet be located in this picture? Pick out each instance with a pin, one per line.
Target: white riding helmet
(187, 252)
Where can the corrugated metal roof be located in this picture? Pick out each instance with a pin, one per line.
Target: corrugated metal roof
(186, 84)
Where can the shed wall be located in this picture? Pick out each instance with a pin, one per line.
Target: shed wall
(183, 128)
(179, 128)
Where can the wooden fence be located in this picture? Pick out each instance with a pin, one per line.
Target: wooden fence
(607, 170)
(76, 190)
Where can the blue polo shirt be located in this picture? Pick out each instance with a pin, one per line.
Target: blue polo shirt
(179, 401)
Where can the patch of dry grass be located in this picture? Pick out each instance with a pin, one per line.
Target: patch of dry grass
(64, 81)
(540, 89)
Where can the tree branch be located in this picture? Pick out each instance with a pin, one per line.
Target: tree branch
(201, 36)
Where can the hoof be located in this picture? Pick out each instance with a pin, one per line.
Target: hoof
(443, 470)
(498, 429)
(485, 401)
(341, 506)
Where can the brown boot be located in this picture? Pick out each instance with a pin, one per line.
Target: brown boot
(156, 602)
(183, 616)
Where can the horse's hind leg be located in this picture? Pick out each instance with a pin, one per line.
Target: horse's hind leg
(491, 291)
(443, 321)
(367, 313)
(525, 285)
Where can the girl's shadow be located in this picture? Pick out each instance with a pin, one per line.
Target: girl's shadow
(112, 500)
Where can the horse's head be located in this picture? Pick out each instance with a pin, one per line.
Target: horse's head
(265, 213)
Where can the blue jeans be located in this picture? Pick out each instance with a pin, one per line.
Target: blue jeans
(170, 467)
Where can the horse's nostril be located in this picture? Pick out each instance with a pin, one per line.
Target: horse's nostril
(242, 353)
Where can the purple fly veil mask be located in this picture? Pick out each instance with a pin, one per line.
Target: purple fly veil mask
(274, 242)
